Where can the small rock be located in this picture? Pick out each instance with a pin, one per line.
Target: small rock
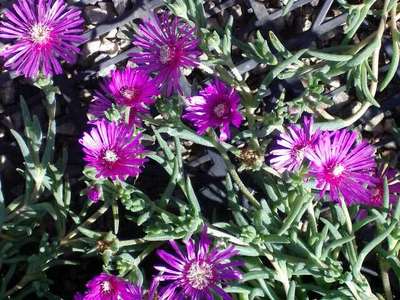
(307, 25)
(108, 47)
(314, 2)
(237, 11)
(109, 8)
(209, 5)
(95, 14)
(374, 122)
(89, 52)
(124, 44)
(279, 24)
(260, 69)
(120, 5)
(339, 101)
(105, 71)
(289, 18)
(112, 34)
(378, 130)
(389, 125)
(7, 95)
(328, 35)
(68, 128)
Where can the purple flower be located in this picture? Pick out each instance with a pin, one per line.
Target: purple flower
(195, 274)
(131, 88)
(376, 198)
(93, 194)
(217, 106)
(293, 146)
(342, 167)
(110, 287)
(166, 49)
(78, 296)
(43, 30)
(113, 150)
(128, 88)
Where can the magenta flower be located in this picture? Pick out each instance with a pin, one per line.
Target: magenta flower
(293, 145)
(42, 30)
(128, 88)
(217, 106)
(131, 88)
(93, 194)
(195, 274)
(110, 287)
(167, 48)
(376, 198)
(342, 167)
(78, 296)
(113, 150)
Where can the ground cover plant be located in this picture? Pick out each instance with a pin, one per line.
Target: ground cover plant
(207, 153)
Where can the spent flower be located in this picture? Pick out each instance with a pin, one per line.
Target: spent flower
(167, 47)
(113, 150)
(216, 107)
(197, 273)
(43, 31)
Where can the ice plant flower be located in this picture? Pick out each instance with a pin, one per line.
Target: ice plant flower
(216, 106)
(78, 296)
(376, 198)
(167, 47)
(113, 150)
(109, 287)
(93, 194)
(130, 87)
(343, 167)
(195, 274)
(293, 144)
(43, 31)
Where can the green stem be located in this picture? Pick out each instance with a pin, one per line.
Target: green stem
(89, 221)
(232, 170)
(386, 280)
(352, 246)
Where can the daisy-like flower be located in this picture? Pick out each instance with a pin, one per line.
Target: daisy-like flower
(128, 88)
(293, 145)
(167, 48)
(376, 198)
(341, 166)
(113, 150)
(110, 287)
(195, 274)
(43, 31)
(216, 106)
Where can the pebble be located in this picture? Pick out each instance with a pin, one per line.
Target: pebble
(108, 47)
(120, 5)
(95, 14)
(339, 101)
(371, 124)
(104, 72)
(89, 51)
(7, 95)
